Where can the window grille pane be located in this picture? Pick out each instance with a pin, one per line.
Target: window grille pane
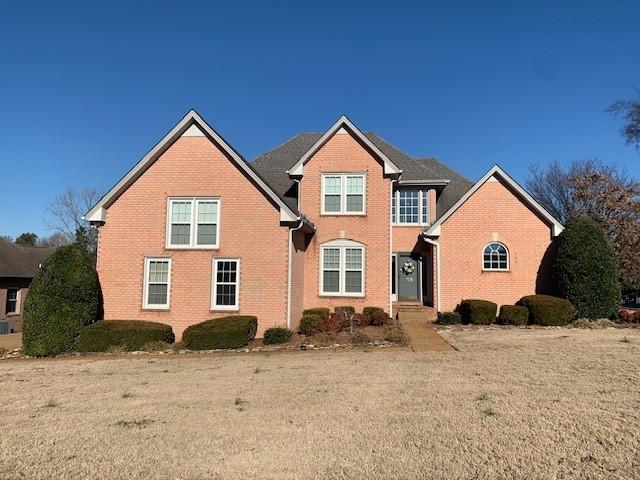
(353, 259)
(333, 185)
(355, 203)
(331, 281)
(425, 207)
(11, 305)
(409, 206)
(332, 203)
(393, 208)
(355, 185)
(181, 212)
(353, 282)
(158, 272)
(157, 294)
(495, 257)
(180, 234)
(226, 293)
(207, 212)
(206, 234)
(331, 258)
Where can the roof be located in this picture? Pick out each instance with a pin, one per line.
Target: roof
(21, 261)
(191, 124)
(274, 165)
(496, 171)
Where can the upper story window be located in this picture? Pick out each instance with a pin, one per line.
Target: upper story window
(342, 268)
(410, 207)
(495, 257)
(13, 295)
(343, 194)
(193, 223)
(157, 282)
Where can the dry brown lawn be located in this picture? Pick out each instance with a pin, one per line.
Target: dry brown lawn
(521, 403)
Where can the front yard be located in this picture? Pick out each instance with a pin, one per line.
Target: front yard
(510, 403)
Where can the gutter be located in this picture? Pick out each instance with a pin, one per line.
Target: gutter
(391, 247)
(291, 230)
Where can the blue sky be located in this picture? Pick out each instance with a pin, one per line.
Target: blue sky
(87, 88)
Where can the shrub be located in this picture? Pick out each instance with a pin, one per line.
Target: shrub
(547, 310)
(513, 315)
(309, 324)
(359, 320)
(325, 339)
(63, 298)
(346, 310)
(360, 339)
(380, 318)
(629, 316)
(449, 318)
(585, 270)
(276, 335)
(395, 334)
(226, 332)
(369, 312)
(127, 335)
(322, 312)
(479, 312)
(335, 322)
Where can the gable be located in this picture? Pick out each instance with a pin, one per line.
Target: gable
(191, 125)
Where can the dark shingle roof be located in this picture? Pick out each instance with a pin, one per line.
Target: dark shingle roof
(19, 261)
(272, 167)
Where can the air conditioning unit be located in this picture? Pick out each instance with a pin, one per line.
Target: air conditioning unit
(4, 327)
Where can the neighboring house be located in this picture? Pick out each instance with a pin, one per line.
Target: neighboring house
(193, 231)
(18, 265)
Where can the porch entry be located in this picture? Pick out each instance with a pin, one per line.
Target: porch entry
(406, 276)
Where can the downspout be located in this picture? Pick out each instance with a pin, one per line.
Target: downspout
(291, 230)
(436, 245)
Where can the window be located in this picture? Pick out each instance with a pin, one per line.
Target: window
(343, 194)
(495, 257)
(342, 268)
(12, 300)
(410, 207)
(193, 223)
(226, 284)
(157, 282)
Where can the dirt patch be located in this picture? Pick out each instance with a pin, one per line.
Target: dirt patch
(10, 341)
(510, 403)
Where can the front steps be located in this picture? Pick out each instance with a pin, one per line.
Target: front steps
(429, 313)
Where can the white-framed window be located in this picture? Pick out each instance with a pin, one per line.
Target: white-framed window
(410, 207)
(13, 301)
(157, 283)
(343, 194)
(342, 268)
(495, 256)
(193, 222)
(225, 284)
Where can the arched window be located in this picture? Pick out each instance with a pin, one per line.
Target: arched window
(495, 257)
(342, 268)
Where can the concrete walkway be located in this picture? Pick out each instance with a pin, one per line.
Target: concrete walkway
(423, 338)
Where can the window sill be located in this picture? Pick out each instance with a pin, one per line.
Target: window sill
(337, 214)
(199, 247)
(414, 225)
(155, 308)
(342, 295)
(221, 309)
(12, 314)
(496, 270)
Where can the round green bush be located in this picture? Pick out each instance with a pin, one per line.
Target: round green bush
(226, 332)
(449, 318)
(322, 312)
(310, 324)
(129, 335)
(478, 312)
(63, 298)
(276, 335)
(585, 270)
(547, 310)
(513, 315)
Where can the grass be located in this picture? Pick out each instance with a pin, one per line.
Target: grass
(342, 414)
(483, 397)
(50, 404)
(126, 395)
(625, 340)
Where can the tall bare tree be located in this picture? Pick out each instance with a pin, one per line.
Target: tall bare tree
(601, 192)
(66, 212)
(629, 110)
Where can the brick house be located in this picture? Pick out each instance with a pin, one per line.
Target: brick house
(18, 265)
(193, 231)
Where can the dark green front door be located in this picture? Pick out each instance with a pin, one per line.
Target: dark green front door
(409, 282)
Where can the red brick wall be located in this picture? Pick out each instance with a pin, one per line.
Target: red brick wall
(250, 229)
(15, 319)
(343, 154)
(493, 213)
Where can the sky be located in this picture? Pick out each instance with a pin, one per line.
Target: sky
(87, 88)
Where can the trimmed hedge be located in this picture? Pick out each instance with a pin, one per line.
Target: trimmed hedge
(128, 334)
(63, 298)
(276, 335)
(310, 324)
(513, 315)
(369, 312)
(226, 332)
(585, 270)
(449, 318)
(547, 310)
(347, 310)
(479, 312)
(322, 312)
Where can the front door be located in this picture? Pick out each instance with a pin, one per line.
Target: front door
(408, 275)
